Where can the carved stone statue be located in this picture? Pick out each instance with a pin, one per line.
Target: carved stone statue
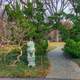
(31, 53)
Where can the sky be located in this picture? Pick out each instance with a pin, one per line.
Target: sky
(5, 1)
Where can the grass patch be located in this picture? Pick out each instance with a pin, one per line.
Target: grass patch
(53, 45)
(22, 70)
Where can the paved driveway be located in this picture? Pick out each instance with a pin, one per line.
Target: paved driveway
(61, 67)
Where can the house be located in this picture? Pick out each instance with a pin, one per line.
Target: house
(55, 35)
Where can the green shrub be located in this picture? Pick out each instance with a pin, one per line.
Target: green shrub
(41, 54)
(23, 58)
(12, 56)
(41, 47)
(72, 48)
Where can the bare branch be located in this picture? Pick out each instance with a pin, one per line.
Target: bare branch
(55, 6)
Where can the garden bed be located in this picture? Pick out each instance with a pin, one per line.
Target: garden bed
(21, 69)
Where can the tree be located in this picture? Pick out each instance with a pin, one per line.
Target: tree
(31, 21)
(36, 15)
(56, 6)
(76, 6)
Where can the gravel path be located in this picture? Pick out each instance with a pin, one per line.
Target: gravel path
(61, 67)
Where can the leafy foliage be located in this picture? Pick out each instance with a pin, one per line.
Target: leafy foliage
(72, 48)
